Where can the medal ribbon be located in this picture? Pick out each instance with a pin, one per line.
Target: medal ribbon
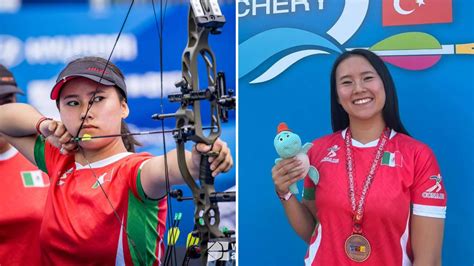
(359, 212)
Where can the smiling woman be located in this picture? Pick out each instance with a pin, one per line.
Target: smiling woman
(106, 204)
(360, 92)
(371, 203)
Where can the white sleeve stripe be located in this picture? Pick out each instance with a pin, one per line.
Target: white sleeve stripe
(429, 211)
(142, 164)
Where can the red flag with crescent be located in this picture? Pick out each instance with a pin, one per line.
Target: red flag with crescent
(412, 12)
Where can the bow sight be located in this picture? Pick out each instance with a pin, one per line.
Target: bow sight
(204, 17)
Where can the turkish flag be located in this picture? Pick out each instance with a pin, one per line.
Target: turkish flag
(412, 12)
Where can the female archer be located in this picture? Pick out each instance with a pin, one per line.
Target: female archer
(380, 199)
(106, 204)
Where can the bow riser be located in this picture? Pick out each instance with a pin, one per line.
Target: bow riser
(189, 124)
(198, 47)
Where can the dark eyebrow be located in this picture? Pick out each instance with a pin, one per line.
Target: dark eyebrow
(345, 76)
(363, 73)
(96, 92)
(99, 91)
(70, 96)
(367, 72)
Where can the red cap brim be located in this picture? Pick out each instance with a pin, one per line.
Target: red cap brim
(57, 88)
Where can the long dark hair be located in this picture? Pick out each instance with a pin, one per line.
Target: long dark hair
(129, 141)
(390, 114)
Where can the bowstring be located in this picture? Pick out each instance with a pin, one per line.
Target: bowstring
(114, 210)
(83, 118)
(160, 29)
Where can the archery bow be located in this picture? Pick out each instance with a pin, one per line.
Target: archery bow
(204, 17)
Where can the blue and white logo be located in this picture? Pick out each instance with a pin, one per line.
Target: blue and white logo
(269, 44)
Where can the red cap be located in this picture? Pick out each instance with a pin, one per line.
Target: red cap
(282, 127)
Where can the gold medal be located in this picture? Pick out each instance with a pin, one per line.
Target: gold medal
(357, 248)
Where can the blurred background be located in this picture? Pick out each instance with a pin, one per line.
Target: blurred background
(39, 37)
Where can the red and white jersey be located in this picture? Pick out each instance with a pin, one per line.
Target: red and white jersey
(80, 226)
(23, 192)
(407, 181)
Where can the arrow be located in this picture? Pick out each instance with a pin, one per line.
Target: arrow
(173, 235)
(416, 50)
(88, 137)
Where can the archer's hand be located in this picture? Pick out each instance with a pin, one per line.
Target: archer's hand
(57, 134)
(219, 164)
(287, 172)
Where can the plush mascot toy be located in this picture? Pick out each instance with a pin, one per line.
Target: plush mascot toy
(287, 145)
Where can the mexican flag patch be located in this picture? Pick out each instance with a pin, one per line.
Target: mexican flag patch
(392, 159)
(34, 179)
